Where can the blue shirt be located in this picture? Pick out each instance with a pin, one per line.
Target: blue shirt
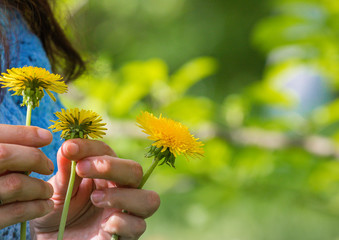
(26, 50)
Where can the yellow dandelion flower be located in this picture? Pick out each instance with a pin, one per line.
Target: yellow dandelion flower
(170, 138)
(75, 123)
(30, 83)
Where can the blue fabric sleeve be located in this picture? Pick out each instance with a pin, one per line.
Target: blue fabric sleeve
(26, 50)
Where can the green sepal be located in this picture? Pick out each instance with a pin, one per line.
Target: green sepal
(166, 156)
(32, 97)
(73, 133)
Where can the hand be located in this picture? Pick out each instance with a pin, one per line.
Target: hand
(105, 184)
(23, 197)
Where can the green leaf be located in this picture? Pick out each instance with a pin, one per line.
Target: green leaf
(192, 72)
(194, 110)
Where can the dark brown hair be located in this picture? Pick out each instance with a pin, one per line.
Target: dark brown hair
(39, 16)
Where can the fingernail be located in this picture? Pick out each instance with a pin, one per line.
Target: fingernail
(72, 148)
(44, 134)
(97, 196)
(50, 166)
(84, 167)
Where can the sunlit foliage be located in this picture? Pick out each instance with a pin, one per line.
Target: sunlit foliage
(257, 81)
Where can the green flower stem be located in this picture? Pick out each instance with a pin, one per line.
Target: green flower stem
(23, 225)
(67, 202)
(149, 172)
(143, 181)
(29, 115)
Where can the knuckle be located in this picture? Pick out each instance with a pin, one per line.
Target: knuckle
(153, 201)
(18, 211)
(140, 226)
(137, 173)
(4, 153)
(45, 189)
(22, 211)
(28, 133)
(113, 201)
(152, 204)
(50, 190)
(36, 156)
(23, 133)
(14, 183)
(40, 208)
(20, 131)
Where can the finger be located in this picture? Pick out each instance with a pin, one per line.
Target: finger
(19, 187)
(123, 172)
(25, 135)
(23, 211)
(61, 178)
(142, 203)
(76, 149)
(21, 158)
(126, 226)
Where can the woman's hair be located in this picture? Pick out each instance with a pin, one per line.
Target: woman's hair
(39, 16)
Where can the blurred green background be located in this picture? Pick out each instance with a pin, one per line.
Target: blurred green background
(256, 81)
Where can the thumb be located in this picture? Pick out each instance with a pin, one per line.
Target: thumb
(61, 179)
(81, 191)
